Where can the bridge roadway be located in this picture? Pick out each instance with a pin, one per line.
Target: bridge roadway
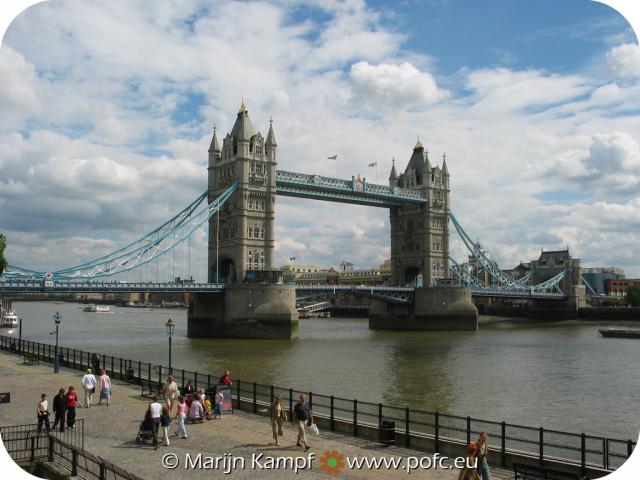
(391, 294)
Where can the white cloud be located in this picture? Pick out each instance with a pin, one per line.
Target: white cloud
(390, 86)
(624, 60)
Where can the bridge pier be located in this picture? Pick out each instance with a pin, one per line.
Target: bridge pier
(258, 311)
(434, 308)
(559, 309)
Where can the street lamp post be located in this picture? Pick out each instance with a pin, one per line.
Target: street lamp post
(170, 326)
(57, 318)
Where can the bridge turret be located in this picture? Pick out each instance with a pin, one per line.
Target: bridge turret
(271, 145)
(393, 176)
(214, 149)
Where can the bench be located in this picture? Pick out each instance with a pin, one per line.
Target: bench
(152, 386)
(535, 472)
(31, 359)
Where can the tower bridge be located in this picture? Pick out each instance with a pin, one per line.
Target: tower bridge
(244, 295)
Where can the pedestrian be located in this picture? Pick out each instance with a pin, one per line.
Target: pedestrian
(469, 472)
(196, 411)
(43, 413)
(170, 392)
(217, 403)
(483, 467)
(188, 389)
(278, 417)
(301, 415)
(95, 362)
(155, 411)
(181, 414)
(206, 404)
(105, 387)
(89, 386)
(225, 379)
(165, 422)
(72, 403)
(59, 408)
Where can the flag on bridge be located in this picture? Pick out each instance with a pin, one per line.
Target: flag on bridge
(333, 157)
(373, 164)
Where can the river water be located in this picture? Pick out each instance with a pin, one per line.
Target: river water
(558, 375)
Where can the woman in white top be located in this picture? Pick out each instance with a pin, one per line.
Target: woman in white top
(43, 413)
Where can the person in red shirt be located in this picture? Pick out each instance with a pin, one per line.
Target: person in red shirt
(225, 379)
(72, 403)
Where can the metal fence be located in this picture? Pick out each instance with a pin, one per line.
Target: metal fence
(25, 443)
(538, 443)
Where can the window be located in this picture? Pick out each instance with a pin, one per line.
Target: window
(250, 233)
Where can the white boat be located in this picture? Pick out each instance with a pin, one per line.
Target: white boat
(97, 308)
(8, 317)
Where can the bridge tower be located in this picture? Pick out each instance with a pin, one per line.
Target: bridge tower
(255, 303)
(420, 233)
(245, 239)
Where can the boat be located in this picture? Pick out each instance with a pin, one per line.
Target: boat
(8, 317)
(619, 333)
(97, 308)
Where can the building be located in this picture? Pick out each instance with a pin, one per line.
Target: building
(553, 262)
(312, 275)
(617, 287)
(594, 278)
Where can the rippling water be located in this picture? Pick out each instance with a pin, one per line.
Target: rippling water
(557, 375)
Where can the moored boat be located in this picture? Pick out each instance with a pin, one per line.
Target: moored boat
(8, 317)
(97, 308)
(619, 333)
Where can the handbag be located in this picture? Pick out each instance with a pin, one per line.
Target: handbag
(314, 429)
(93, 390)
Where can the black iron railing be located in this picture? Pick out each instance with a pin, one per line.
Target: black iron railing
(537, 443)
(25, 443)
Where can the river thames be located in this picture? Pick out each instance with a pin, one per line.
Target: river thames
(558, 375)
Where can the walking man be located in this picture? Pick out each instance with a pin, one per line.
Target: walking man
(301, 416)
(43, 413)
(89, 386)
(170, 392)
(155, 412)
(59, 408)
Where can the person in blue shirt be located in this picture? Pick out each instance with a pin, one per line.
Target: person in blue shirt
(302, 415)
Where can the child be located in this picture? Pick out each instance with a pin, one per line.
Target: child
(217, 403)
(207, 407)
(165, 421)
(181, 414)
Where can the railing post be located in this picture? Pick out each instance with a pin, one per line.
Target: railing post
(160, 374)
(332, 417)
(291, 403)
(238, 395)
(583, 453)
(51, 444)
(120, 368)
(468, 430)
(355, 417)
(310, 400)
(111, 365)
(503, 449)
(74, 462)
(208, 381)
(629, 448)
(182, 382)
(149, 372)
(436, 432)
(379, 415)
(541, 446)
(255, 401)
(195, 380)
(140, 371)
(103, 472)
(33, 448)
(271, 394)
(407, 430)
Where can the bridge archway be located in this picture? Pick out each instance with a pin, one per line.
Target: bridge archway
(413, 276)
(228, 271)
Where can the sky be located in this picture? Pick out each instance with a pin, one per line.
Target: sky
(107, 110)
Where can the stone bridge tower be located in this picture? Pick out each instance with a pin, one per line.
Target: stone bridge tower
(420, 233)
(244, 241)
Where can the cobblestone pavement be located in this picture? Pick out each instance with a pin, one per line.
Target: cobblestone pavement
(110, 433)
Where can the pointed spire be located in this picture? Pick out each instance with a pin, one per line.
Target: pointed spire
(243, 129)
(393, 175)
(445, 170)
(271, 138)
(418, 145)
(214, 147)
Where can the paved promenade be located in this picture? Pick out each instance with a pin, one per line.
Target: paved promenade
(110, 433)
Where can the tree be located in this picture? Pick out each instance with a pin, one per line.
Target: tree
(3, 261)
(633, 296)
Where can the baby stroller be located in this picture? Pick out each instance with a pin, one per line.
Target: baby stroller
(145, 433)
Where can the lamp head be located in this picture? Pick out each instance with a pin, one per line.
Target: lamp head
(170, 326)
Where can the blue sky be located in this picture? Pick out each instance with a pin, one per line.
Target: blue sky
(108, 109)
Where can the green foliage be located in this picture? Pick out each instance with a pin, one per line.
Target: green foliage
(633, 296)
(3, 261)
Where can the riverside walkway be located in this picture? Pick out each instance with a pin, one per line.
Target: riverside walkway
(110, 433)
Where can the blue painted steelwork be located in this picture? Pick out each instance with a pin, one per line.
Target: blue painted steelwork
(316, 187)
(88, 286)
(141, 251)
